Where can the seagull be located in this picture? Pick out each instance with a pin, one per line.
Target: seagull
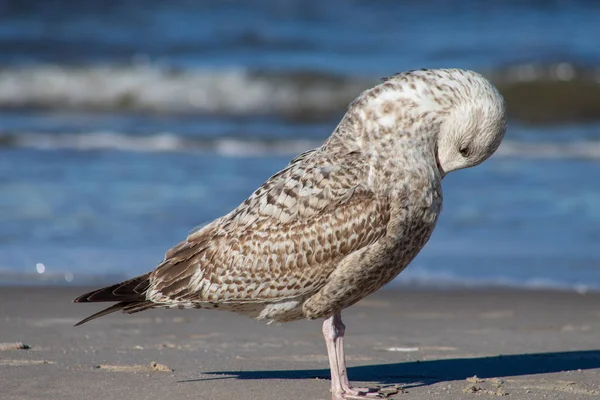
(339, 221)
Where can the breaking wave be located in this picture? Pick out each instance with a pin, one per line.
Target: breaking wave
(408, 279)
(421, 278)
(256, 147)
(534, 93)
(154, 89)
(573, 150)
(159, 143)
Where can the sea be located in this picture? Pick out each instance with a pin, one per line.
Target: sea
(125, 124)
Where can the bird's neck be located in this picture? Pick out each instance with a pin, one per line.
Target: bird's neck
(394, 144)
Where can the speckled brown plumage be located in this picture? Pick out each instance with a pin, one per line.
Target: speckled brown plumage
(339, 221)
(336, 224)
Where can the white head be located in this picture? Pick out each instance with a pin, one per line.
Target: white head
(474, 125)
(456, 116)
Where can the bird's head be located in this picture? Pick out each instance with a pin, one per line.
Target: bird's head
(454, 115)
(473, 126)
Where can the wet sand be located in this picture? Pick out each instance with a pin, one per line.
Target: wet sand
(434, 344)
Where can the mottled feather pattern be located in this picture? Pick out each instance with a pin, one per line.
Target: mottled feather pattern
(282, 242)
(340, 221)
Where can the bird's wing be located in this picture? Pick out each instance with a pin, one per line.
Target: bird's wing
(283, 241)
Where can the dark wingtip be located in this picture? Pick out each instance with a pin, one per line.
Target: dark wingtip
(109, 310)
(131, 290)
(83, 298)
(127, 293)
(83, 321)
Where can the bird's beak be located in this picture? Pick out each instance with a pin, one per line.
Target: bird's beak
(439, 166)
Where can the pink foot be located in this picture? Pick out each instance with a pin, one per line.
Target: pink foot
(364, 393)
(360, 396)
(333, 332)
(361, 392)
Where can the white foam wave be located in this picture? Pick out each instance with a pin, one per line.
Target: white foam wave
(579, 150)
(232, 147)
(158, 143)
(424, 278)
(151, 88)
(304, 95)
(415, 279)
(13, 277)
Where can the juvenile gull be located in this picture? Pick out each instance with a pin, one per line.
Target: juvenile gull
(339, 221)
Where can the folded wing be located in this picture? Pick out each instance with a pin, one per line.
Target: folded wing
(282, 242)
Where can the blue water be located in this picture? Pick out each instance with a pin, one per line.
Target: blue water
(124, 126)
(354, 36)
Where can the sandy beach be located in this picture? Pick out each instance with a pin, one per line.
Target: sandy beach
(433, 344)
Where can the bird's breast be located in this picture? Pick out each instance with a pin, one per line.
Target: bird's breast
(413, 218)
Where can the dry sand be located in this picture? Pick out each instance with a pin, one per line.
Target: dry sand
(435, 344)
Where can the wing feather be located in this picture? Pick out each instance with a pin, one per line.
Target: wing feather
(283, 241)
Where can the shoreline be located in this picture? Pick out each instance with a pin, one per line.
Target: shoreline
(451, 344)
(400, 286)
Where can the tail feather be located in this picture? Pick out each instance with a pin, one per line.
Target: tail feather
(125, 307)
(131, 290)
(109, 310)
(130, 295)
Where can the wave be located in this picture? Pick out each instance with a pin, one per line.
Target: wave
(155, 89)
(256, 147)
(419, 279)
(11, 277)
(587, 150)
(534, 93)
(159, 143)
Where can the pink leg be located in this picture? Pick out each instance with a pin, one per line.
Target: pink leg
(333, 331)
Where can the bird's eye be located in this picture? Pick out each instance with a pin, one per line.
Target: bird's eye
(464, 151)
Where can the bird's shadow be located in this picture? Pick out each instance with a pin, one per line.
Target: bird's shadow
(423, 373)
